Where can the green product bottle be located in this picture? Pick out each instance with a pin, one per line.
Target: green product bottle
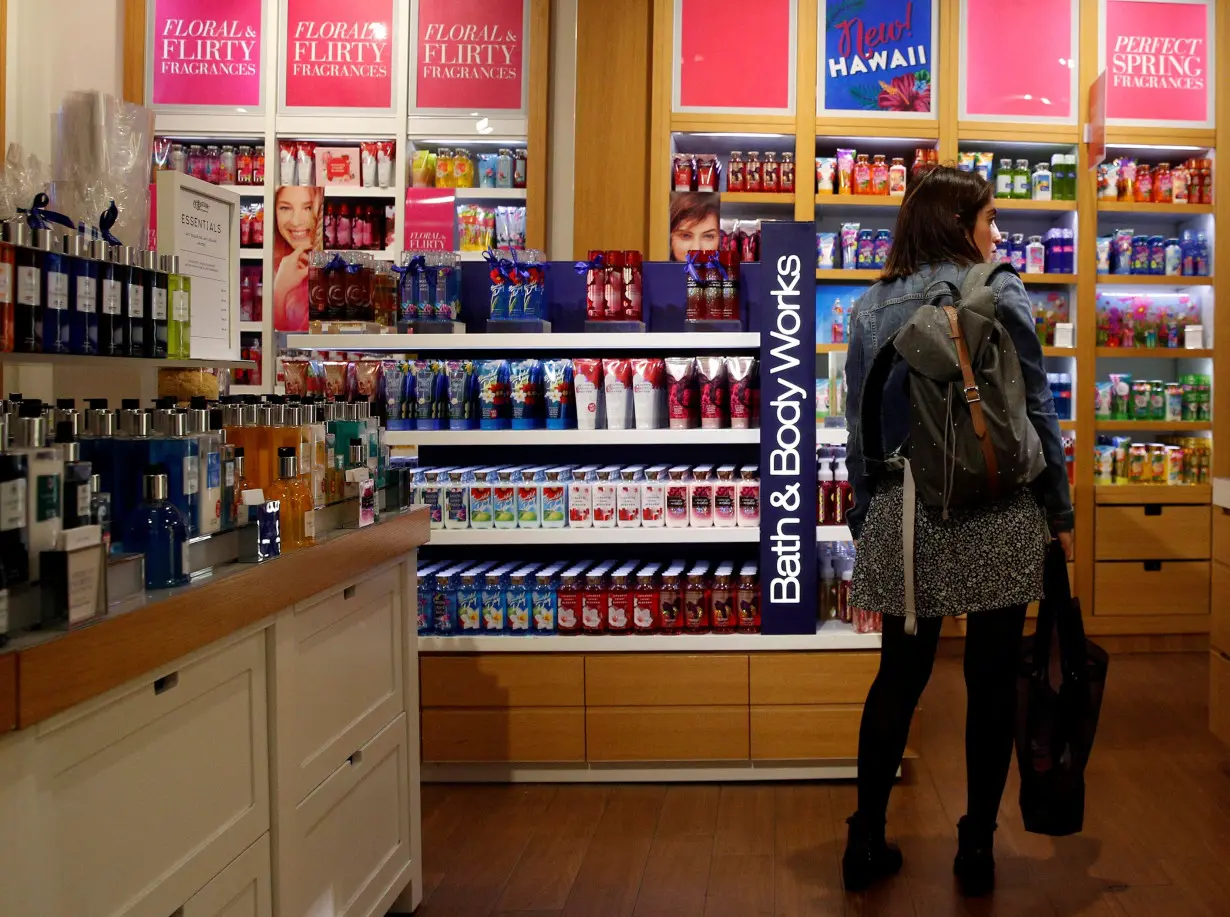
(1020, 180)
(179, 322)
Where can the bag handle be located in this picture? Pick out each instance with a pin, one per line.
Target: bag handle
(1058, 611)
(973, 399)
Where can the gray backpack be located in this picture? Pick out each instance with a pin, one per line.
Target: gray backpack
(970, 441)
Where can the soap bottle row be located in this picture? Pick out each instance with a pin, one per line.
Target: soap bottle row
(66, 294)
(590, 597)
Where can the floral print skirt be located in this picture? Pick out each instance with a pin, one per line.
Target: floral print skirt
(977, 559)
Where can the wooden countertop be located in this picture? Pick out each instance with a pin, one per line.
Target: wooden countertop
(50, 673)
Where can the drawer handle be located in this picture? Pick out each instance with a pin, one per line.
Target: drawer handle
(348, 592)
(1153, 566)
(355, 759)
(1153, 509)
(164, 684)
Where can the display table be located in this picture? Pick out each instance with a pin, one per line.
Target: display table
(678, 707)
(245, 745)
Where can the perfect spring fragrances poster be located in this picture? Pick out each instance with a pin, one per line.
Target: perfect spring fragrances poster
(876, 55)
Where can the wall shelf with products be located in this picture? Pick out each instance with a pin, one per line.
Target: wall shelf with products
(497, 438)
(398, 343)
(102, 362)
(595, 536)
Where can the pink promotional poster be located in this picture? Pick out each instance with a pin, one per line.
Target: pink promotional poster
(339, 57)
(1157, 61)
(470, 54)
(430, 218)
(729, 59)
(211, 58)
(1033, 72)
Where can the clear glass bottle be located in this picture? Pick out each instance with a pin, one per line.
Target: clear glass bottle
(239, 509)
(179, 324)
(157, 529)
(296, 517)
(100, 510)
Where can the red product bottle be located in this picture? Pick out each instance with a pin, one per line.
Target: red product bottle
(747, 600)
(843, 494)
(722, 600)
(330, 226)
(646, 601)
(595, 289)
(619, 601)
(826, 490)
(594, 599)
(696, 617)
(632, 286)
(568, 601)
(344, 231)
(614, 285)
(670, 599)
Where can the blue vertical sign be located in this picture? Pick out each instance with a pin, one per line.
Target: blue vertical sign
(788, 428)
(876, 56)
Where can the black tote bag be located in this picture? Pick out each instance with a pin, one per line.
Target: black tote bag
(1059, 696)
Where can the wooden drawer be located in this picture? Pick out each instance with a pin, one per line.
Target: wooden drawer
(338, 670)
(243, 889)
(152, 789)
(805, 733)
(1172, 588)
(812, 678)
(345, 850)
(1221, 534)
(666, 734)
(1219, 695)
(665, 679)
(517, 734)
(1153, 532)
(1219, 624)
(503, 680)
(1032, 610)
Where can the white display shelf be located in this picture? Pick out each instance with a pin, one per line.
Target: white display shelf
(507, 342)
(831, 436)
(245, 190)
(488, 194)
(359, 191)
(101, 362)
(831, 636)
(663, 437)
(251, 254)
(832, 533)
(517, 537)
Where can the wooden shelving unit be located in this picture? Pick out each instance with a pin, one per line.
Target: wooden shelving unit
(1152, 280)
(1179, 210)
(1110, 494)
(857, 200)
(757, 197)
(1154, 353)
(1155, 426)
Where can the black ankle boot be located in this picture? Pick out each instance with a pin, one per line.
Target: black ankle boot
(975, 863)
(868, 856)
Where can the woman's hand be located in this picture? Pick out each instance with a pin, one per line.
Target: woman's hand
(291, 273)
(1068, 543)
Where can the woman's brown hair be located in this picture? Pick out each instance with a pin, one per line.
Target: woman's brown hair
(937, 220)
(692, 207)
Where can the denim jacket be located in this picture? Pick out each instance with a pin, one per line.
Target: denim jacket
(879, 314)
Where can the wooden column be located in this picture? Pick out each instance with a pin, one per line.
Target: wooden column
(611, 185)
(134, 51)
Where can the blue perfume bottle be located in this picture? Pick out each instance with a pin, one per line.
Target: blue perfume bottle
(131, 453)
(157, 530)
(82, 295)
(180, 453)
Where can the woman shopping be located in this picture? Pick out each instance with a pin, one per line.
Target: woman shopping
(960, 483)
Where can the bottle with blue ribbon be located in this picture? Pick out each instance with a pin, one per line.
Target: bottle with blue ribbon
(82, 295)
(498, 270)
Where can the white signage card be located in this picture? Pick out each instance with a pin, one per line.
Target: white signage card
(199, 223)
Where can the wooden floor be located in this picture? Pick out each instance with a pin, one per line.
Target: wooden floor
(1156, 844)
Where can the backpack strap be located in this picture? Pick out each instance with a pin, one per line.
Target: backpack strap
(982, 275)
(873, 399)
(973, 399)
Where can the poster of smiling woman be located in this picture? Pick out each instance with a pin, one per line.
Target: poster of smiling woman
(876, 57)
(298, 231)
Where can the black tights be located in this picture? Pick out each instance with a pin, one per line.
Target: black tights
(992, 645)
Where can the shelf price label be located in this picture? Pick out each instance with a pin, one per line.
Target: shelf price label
(338, 59)
(206, 59)
(470, 54)
(787, 296)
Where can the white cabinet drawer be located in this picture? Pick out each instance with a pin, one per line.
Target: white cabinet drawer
(338, 674)
(345, 850)
(151, 790)
(243, 889)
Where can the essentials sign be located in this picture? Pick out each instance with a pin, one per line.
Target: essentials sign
(339, 57)
(788, 430)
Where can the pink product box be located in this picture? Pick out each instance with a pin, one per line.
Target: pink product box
(337, 165)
